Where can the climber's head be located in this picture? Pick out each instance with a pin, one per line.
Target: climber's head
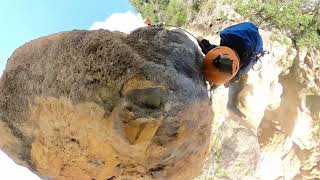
(147, 21)
(221, 64)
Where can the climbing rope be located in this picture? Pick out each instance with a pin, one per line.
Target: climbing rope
(258, 59)
(211, 86)
(169, 25)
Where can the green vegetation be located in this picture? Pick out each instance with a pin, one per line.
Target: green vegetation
(149, 8)
(281, 39)
(169, 11)
(176, 13)
(286, 16)
(197, 5)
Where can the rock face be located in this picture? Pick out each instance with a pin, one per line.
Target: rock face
(307, 71)
(267, 125)
(104, 105)
(310, 6)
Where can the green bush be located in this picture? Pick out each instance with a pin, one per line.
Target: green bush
(176, 13)
(171, 11)
(146, 9)
(285, 15)
(197, 5)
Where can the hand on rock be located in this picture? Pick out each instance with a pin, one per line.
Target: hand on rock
(200, 38)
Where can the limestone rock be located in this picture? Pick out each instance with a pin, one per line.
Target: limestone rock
(308, 71)
(287, 136)
(279, 104)
(234, 153)
(261, 89)
(309, 6)
(103, 105)
(214, 16)
(302, 133)
(278, 159)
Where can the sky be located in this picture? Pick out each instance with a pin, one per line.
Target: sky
(25, 20)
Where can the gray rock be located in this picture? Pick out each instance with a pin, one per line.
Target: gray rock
(309, 6)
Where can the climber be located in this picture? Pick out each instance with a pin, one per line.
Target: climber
(240, 46)
(221, 64)
(147, 21)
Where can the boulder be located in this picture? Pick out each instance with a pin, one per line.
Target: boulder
(106, 105)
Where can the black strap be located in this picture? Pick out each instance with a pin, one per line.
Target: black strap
(223, 63)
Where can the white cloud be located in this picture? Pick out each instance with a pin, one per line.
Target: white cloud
(124, 22)
(10, 170)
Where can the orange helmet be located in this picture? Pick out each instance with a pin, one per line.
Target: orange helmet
(147, 21)
(221, 64)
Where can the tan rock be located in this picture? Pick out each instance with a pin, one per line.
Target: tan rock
(261, 89)
(278, 159)
(308, 71)
(234, 153)
(302, 133)
(102, 105)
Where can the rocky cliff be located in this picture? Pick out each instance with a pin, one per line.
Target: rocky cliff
(106, 105)
(266, 126)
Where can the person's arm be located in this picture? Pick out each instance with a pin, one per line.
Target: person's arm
(205, 45)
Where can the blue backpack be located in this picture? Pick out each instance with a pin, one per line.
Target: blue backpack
(245, 39)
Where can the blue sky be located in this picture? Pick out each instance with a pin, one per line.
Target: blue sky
(24, 20)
